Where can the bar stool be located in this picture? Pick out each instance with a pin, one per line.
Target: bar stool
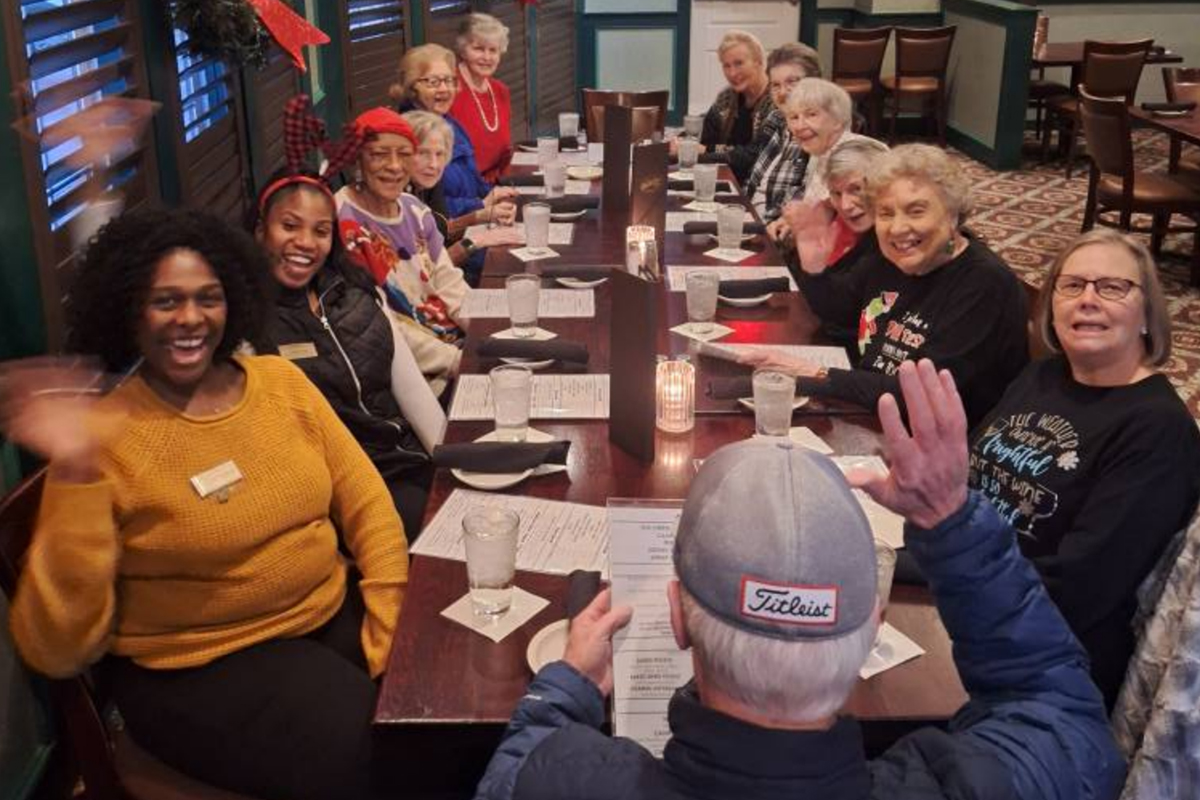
(857, 59)
(922, 55)
(1041, 89)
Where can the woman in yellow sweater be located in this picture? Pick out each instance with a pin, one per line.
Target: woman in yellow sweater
(196, 543)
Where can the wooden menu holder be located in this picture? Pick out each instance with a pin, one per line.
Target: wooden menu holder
(633, 337)
(649, 191)
(614, 191)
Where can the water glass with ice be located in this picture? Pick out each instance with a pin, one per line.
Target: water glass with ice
(512, 389)
(523, 292)
(729, 226)
(554, 176)
(704, 176)
(537, 227)
(568, 125)
(774, 394)
(547, 150)
(490, 539)
(689, 153)
(693, 124)
(702, 286)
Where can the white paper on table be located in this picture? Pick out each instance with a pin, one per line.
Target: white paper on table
(734, 255)
(891, 649)
(555, 537)
(595, 152)
(522, 158)
(561, 233)
(553, 397)
(677, 275)
(577, 187)
(525, 606)
(579, 159)
(675, 219)
(552, 304)
(886, 525)
(821, 355)
(531, 190)
(806, 438)
(717, 331)
(526, 254)
(705, 206)
(647, 664)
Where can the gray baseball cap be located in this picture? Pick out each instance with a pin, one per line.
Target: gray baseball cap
(772, 541)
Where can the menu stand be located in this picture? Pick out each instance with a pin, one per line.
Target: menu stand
(632, 362)
(649, 190)
(614, 191)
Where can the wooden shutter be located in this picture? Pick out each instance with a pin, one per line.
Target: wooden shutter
(64, 57)
(555, 61)
(513, 67)
(269, 91)
(374, 38)
(209, 136)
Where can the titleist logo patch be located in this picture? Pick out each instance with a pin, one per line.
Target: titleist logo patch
(788, 603)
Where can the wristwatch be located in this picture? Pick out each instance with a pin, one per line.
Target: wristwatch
(467, 245)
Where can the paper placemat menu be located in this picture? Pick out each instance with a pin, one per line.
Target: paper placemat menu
(821, 355)
(555, 537)
(675, 219)
(886, 525)
(677, 275)
(561, 233)
(554, 397)
(552, 303)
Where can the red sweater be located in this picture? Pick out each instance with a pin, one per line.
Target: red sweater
(493, 149)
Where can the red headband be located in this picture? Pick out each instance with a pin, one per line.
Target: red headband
(384, 120)
(264, 198)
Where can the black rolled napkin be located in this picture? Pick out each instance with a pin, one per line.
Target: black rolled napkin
(582, 587)
(522, 180)
(752, 288)
(569, 204)
(723, 187)
(700, 226)
(1186, 105)
(500, 457)
(583, 272)
(558, 349)
(730, 388)
(566, 144)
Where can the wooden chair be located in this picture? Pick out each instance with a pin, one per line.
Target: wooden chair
(1114, 185)
(110, 764)
(1182, 85)
(857, 59)
(922, 56)
(1110, 69)
(1041, 89)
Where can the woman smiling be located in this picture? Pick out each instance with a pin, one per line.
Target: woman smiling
(482, 103)
(742, 106)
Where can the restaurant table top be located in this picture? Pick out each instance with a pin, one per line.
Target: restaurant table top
(1070, 54)
(1185, 127)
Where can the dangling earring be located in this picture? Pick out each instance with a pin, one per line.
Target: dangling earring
(358, 178)
(950, 246)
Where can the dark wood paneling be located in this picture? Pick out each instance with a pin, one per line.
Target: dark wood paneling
(374, 36)
(555, 61)
(514, 70)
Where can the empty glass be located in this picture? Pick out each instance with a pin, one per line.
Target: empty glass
(701, 288)
(704, 176)
(568, 124)
(547, 150)
(774, 393)
(523, 292)
(885, 565)
(512, 389)
(729, 227)
(689, 152)
(693, 124)
(490, 538)
(554, 176)
(537, 227)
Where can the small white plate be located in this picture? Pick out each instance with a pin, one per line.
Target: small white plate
(567, 216)
(1173, 113)
(490, 482)
(580, 283)
(800, 402)
(745, 302)
(547, 645)
(746, 237)
(585, 173)
(527, 148)
(528, 363)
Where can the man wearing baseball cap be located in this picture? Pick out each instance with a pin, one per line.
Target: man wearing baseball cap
(776, 596)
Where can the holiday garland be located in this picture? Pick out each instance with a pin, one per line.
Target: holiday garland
(224, 28)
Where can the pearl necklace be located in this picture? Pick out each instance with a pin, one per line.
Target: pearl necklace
(495, 106)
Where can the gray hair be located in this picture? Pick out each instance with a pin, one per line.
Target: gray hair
(796, 53)
(481, 26)
(922, 162)
(820, 93)
(852, 157)
(734, 38)
(427, 123)
(798, 681)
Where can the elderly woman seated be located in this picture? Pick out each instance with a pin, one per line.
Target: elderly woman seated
(930, 292)
(1091, 455)
(744, 105)
(482, 103)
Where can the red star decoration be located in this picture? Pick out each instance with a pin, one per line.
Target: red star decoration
(292, 31)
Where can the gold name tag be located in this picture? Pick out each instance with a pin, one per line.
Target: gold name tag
(217, 481)
(295, 352)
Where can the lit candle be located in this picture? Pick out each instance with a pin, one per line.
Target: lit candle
(675, 388)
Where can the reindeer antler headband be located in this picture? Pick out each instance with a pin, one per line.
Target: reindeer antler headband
(303, 134)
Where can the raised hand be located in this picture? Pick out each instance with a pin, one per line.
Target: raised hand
(926, 480)
(589, 641)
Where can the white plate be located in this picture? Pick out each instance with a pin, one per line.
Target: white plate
(490, 482)
(547, 645)
(800, 402)
(745, 302)
(527, 148)
(580, 283)
(567, 216)
(1173, 113)
(746, 237)
(585, 173)
(528, 363)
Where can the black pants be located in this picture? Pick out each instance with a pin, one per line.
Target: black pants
(410, 492)
(287, 719)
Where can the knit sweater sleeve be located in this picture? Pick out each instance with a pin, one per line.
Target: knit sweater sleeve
(64, 608)
(363, 511)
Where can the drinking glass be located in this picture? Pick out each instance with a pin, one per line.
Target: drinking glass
(568, 125)
(885, 565)
(547, 150)
(554, 176)
(701, 288)
(704, 176)
(512, 388)
(523, 292)
(729, 227)
(774, 393)
(537, 227)
(689, 152)
(490, 538)
(693, 124)
(641, 253)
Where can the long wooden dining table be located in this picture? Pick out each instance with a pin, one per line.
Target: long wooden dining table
(448, 691)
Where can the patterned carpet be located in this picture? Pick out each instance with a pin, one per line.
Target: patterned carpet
(1028, 215)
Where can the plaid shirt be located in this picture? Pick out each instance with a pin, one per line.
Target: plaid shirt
(785, 181)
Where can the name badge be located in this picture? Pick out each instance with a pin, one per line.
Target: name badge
(791, 604)
(217, 481)
(297, 351)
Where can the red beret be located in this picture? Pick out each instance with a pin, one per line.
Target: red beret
(384, 120)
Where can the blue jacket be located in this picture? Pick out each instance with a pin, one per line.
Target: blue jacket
(462, 184)
(1033, 729)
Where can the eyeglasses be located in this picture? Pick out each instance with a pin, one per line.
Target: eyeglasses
(1106, 288)
(433, 82)
(789, 84)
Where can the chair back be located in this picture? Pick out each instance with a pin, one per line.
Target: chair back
(858, 52)
(1182, 84)
(1113, 69)
(1107, 129)
(924, 52)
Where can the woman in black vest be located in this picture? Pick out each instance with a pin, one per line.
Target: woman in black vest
(329, 321)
